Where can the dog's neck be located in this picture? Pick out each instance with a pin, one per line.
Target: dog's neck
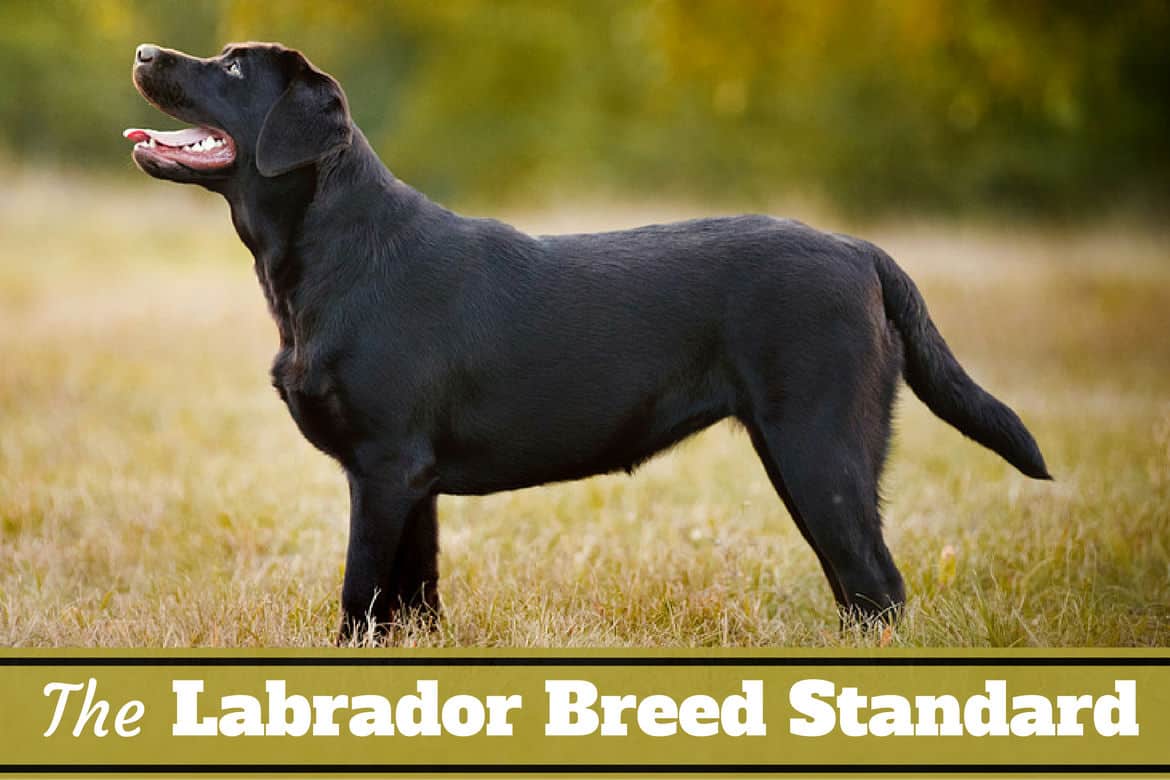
(268, 220)
(274, 222)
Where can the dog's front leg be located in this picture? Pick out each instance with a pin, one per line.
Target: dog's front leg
(382, 500)
(416, 567)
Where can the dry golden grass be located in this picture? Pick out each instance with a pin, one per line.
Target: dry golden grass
(154, 492)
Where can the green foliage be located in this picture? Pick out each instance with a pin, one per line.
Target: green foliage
(1035, 108)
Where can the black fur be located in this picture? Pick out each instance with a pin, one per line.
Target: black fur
(431, 353)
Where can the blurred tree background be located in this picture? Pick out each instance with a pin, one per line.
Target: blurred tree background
(1046, 108)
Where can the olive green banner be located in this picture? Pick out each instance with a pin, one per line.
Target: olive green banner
(547, 712)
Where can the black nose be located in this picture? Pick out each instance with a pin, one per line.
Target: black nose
(146, 52)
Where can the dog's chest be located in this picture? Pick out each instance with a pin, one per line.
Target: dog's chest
(316, 405)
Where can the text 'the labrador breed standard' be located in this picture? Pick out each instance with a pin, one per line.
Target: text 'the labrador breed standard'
(430, 353)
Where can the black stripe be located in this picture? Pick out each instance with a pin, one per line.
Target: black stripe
(574, 661)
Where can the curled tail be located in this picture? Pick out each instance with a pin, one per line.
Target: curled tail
(940, 382)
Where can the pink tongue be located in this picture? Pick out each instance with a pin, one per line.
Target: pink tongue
(189, 135)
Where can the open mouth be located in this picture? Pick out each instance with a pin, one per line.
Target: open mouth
(197, 148)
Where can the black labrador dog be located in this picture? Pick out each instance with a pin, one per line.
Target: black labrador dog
(430, 353)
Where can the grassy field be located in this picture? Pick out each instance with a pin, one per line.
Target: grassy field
(154, 492)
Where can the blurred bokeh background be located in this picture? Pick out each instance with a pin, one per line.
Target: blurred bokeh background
(1012, 156)
(1036, 109)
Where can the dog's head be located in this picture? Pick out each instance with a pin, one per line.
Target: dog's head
(257, 109)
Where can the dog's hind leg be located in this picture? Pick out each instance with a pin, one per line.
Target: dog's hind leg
(823, 443)
(772, 467)
(829, 489)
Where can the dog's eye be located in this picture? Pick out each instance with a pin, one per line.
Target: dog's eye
(233, 69)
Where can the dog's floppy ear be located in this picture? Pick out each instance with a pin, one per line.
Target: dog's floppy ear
(307, 122)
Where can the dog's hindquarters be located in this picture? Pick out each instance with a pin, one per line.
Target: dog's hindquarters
(817, 404)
